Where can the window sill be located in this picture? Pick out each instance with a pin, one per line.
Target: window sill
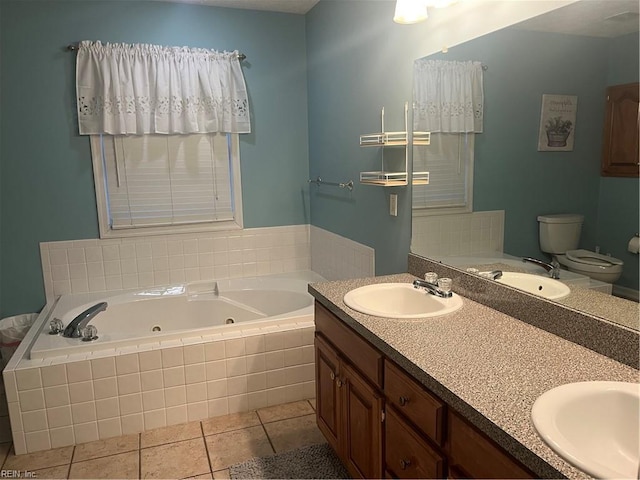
(168, 230)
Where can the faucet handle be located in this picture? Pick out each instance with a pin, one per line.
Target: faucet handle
(89, 333)
(431, 277)
(55, 326)
(444, 284)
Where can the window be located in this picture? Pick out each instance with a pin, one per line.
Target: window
(449, 161)
(152, 184)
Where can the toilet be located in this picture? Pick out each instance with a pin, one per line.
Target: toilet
(560, 235)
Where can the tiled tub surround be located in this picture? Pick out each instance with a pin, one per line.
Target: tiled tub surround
(74, 402)
(95, 265)
(338, 258)
(81, 266)
(613, 340)
(486, 365)
(457, 234)
(136, 385)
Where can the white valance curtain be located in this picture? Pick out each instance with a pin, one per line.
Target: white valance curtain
(449, 96)
(138, 89)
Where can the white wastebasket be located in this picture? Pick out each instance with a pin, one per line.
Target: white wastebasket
(12, 331)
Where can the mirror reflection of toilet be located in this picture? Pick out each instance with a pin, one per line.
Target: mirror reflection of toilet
(560, 235)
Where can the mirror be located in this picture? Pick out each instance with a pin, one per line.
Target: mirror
(576, 50)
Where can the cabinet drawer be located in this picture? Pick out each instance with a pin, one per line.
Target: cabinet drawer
(407, 455)
(478, 456)
(360, 354)
(410, 398)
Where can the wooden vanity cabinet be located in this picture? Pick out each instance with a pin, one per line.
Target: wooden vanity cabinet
(349, 407)
(620, 156)
(382, 422)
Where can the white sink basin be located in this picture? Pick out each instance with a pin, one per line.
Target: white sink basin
(536, 284)
(593, 425)
(399, 300)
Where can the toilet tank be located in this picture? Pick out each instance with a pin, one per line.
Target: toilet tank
(560, 232)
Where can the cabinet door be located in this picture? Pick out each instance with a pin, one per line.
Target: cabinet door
(327, 393)
(620, 144)
(362, 425)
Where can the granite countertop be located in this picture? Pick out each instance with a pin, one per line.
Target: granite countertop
(488, 366)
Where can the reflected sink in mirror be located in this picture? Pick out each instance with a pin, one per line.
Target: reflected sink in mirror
(399, 300)
(536, 284)
(592, 425)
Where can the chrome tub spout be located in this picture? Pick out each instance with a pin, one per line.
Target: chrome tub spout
(74, 329)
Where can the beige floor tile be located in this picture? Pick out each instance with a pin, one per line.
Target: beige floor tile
(38, 460)
(174, 433)
(312, 401)
(104, 448)
(294, 433)
(183, 459)
(53, 473)
(227, 423)
(4, 450)
(222, 474)
(123, 465)
(287, 410)
(229, 448)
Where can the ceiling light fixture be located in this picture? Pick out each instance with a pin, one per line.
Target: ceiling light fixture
(410, 11)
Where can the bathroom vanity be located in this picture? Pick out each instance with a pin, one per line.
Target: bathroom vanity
(444, 397)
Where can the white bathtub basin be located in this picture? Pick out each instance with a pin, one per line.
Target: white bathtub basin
(399, 300)
(593, 425)
(536, 284)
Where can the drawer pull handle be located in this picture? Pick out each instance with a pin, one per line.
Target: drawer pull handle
(404, 464)
(339, 383)
(333, 376)
(403, 401)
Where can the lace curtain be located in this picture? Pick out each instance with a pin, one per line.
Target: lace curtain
(139, 89)
(449, 96)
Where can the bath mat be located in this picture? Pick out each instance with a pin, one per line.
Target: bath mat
(314, 461)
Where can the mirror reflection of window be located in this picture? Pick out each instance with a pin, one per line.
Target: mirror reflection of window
(449, 161)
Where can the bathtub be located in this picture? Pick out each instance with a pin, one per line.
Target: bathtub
(158, 316)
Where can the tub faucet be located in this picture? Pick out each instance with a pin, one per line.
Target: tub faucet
(432, 288)
(553, 268)
(74, 329)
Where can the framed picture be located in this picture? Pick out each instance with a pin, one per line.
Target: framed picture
(557, 123)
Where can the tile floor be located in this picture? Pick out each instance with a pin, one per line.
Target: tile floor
(203, 449)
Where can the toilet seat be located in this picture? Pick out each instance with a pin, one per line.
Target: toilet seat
(592, 258)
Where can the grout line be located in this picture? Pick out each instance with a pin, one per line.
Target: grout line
(268, 437)
(139, 455)
(206, 449)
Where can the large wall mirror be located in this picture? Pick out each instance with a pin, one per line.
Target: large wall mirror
(579, 51)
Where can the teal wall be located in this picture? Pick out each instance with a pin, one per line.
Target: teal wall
(359, 61)
(511, 174)
(46, 181)
(619, 206)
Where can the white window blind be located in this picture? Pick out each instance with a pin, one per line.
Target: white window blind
(160, 180)
(449, 161)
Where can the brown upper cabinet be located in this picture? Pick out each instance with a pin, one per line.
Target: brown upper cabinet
(620, 156)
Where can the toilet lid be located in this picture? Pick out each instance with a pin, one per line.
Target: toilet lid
(592, 258)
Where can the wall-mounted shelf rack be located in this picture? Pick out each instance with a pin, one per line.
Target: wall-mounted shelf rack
(394, 139)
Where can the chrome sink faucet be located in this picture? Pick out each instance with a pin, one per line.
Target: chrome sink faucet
(553, 268)
(75, 327)
(431, 286)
